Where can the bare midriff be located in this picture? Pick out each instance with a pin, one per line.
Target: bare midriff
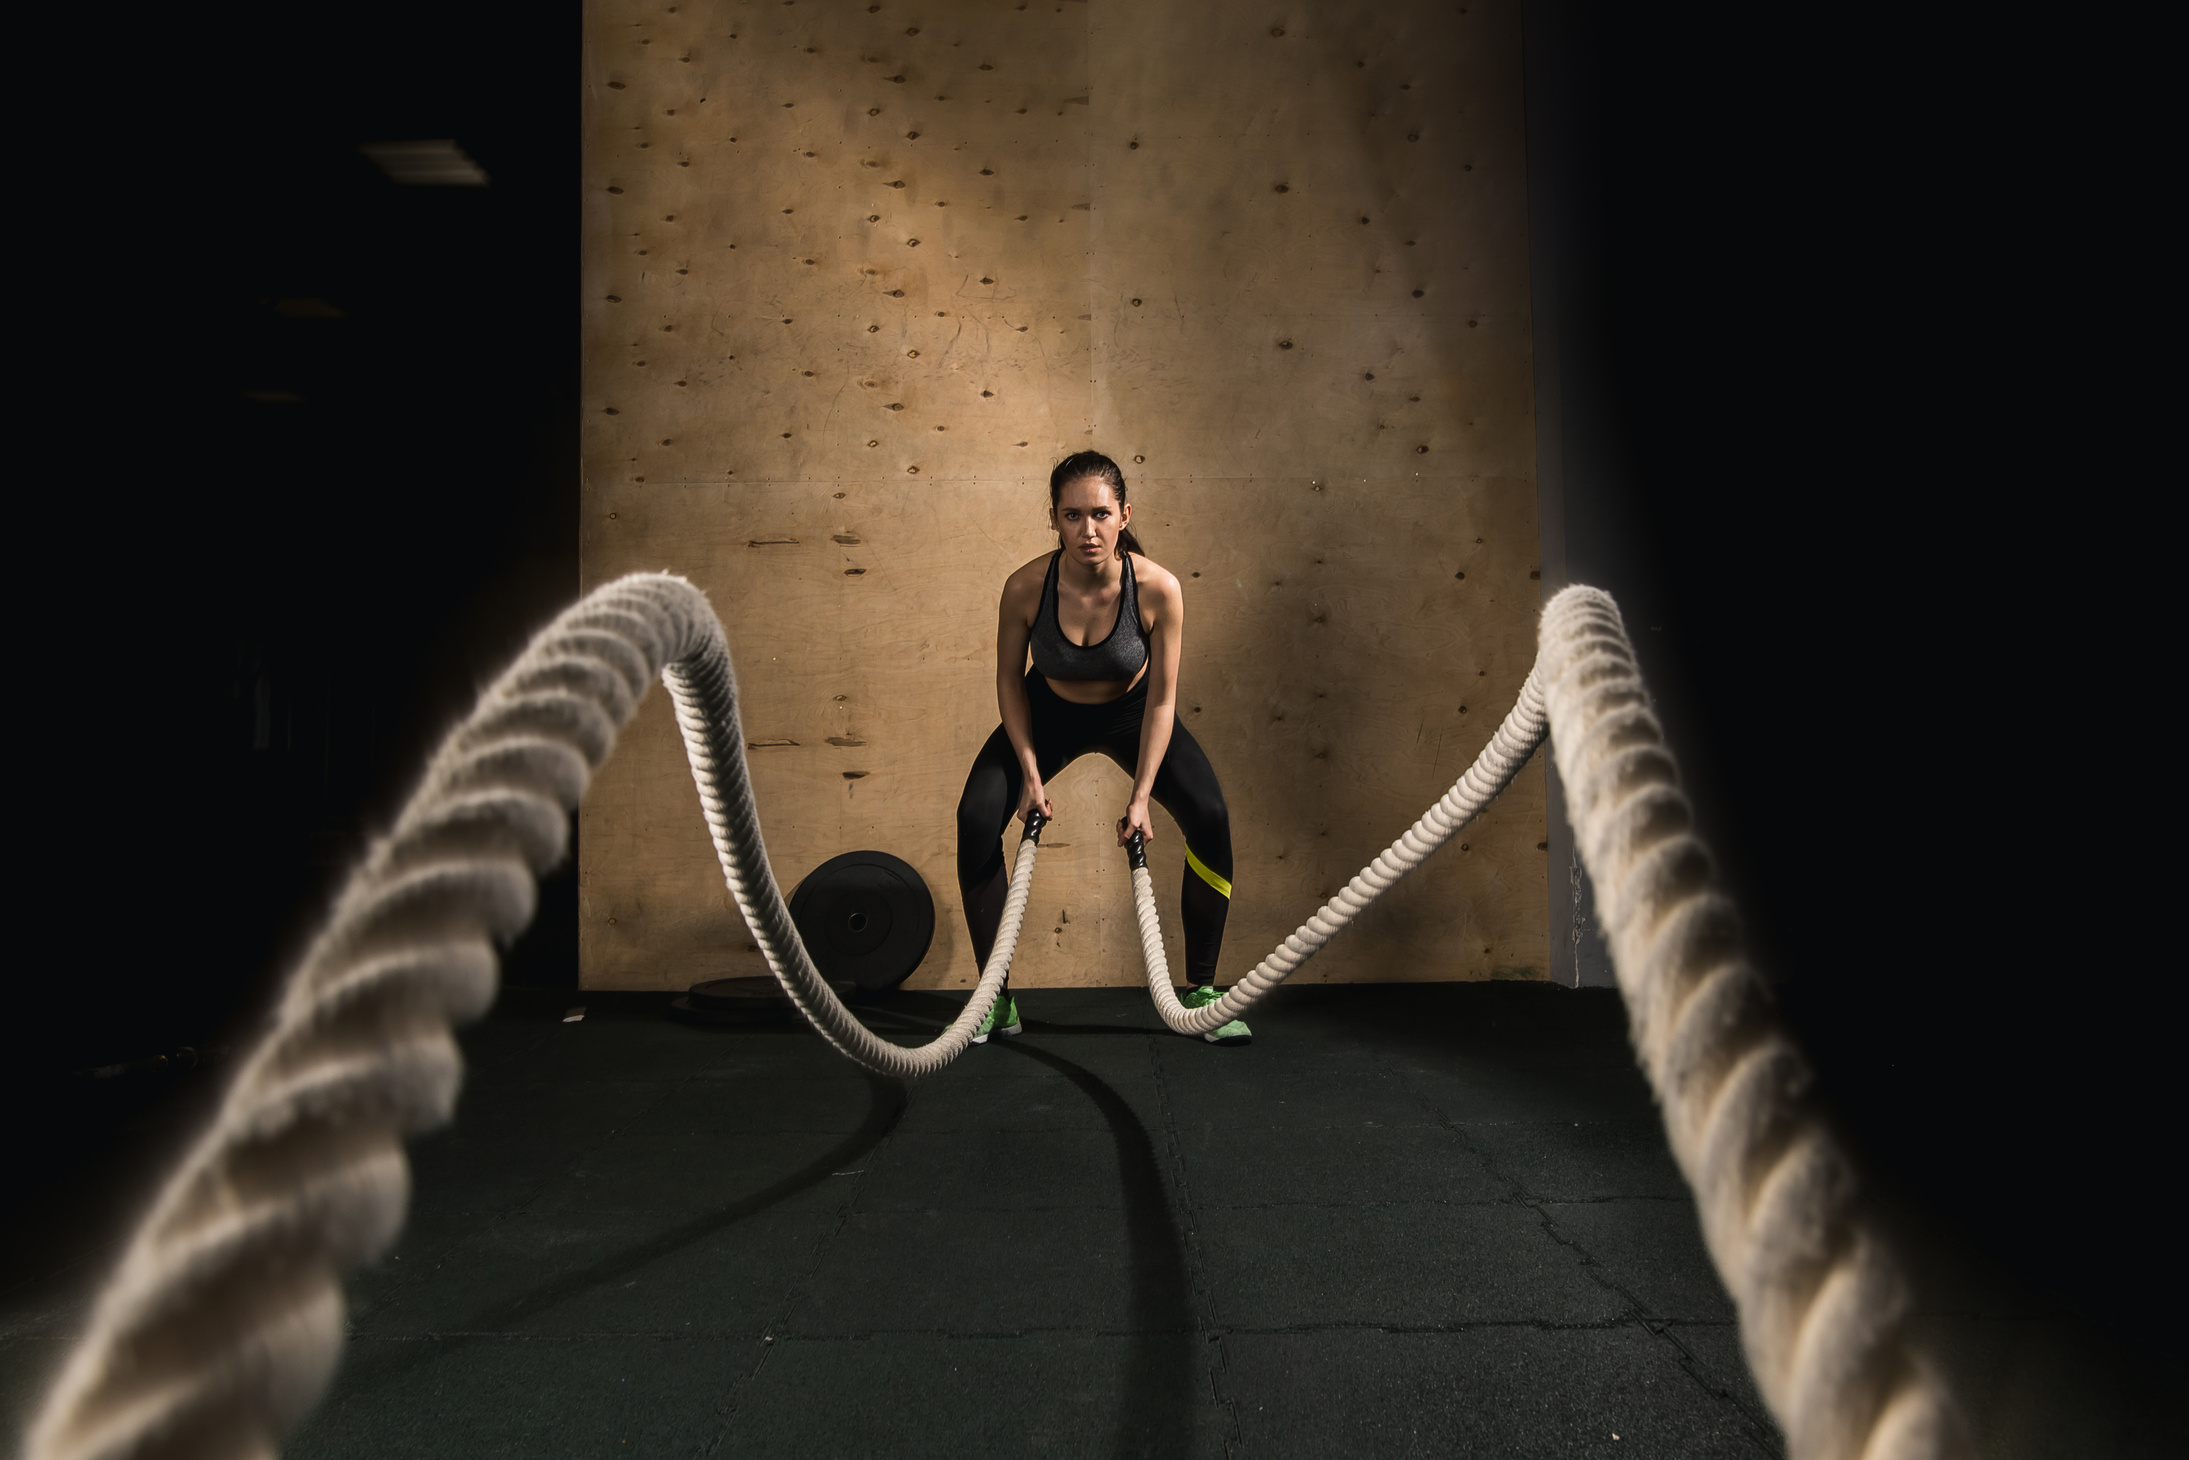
(1094, 691)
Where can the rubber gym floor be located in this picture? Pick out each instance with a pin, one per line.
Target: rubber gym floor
(1429, 1219)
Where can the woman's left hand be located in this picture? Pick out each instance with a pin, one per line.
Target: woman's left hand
(1135, 819)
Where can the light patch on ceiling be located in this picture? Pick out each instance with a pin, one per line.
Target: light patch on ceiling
(440, 164)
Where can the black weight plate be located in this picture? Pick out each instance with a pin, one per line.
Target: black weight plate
(866, 917)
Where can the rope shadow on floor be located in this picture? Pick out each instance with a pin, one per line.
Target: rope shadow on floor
(1157, 1418)
(886, 1106)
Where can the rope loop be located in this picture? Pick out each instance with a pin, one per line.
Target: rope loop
(222, 1322)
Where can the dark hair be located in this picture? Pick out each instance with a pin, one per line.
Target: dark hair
(1102, 469)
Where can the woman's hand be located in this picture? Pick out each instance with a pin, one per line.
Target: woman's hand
(1034, 797)
(1135, 819)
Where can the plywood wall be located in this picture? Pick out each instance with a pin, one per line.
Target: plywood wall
(857, 275)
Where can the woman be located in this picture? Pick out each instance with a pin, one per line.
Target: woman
(1104, 626)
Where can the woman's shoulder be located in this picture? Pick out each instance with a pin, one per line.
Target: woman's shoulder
(1033, 570)
(1154, 582)
(1023, 587)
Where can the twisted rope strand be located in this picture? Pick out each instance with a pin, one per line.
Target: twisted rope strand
(1822, 1301)
(1493, 770)
(222, 1323)
(705, 690)
(1822, 1297)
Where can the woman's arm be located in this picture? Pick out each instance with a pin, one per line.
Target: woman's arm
(1014, 630)
(1160, 591)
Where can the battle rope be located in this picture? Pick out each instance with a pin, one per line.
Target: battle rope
(1493, 770)
(222, 1323)
(1823, 1305)
(1823, 1302)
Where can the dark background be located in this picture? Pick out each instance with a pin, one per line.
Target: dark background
(1853, 338)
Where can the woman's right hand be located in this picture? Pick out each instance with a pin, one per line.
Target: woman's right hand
(1034, 797)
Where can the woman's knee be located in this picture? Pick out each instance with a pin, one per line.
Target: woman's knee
(1190, 791)
(984, 810)
(1206, 821)
(985, 807)
(1216, 829)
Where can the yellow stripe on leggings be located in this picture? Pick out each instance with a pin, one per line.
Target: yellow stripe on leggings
(1220, 884)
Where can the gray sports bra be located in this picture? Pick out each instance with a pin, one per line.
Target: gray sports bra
(1118, 656)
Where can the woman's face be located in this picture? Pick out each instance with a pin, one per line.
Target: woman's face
(1087, 517)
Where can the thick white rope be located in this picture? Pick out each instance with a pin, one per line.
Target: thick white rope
(1823, 1305)
(1823, 1300)
(221, 1325)
(1493, 770)
(705, 692)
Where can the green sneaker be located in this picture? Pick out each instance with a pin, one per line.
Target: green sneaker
(1002, 1020)
(1236, 1032)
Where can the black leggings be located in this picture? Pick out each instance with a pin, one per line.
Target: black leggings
(1185, 786)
